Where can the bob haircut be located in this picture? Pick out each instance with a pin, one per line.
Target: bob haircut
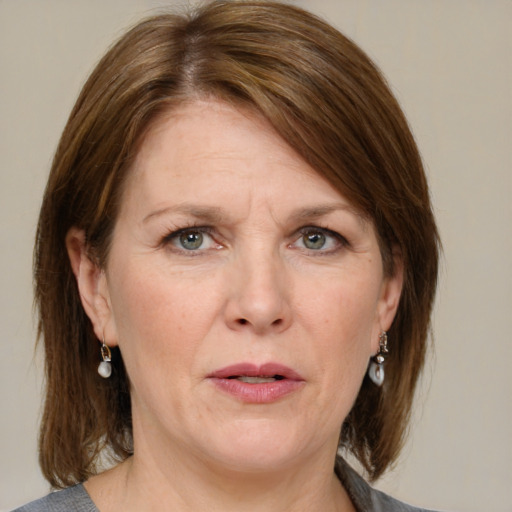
(328, 101)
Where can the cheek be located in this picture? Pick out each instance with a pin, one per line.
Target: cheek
(342, 321)
(158, 318)
(346, 311)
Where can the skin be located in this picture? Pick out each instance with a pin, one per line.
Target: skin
(287, 272)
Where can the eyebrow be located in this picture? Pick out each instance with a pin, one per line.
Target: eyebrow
(316, 212)
(215, 214)
(210, 214)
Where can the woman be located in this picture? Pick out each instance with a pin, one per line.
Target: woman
(235, 266)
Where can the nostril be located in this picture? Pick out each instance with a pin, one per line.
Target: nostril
(278, 323)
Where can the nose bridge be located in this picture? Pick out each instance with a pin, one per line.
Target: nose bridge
(259, 299)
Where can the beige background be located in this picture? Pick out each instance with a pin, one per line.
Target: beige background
(449, 62)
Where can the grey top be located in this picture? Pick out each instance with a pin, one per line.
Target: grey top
(72, 499)
(364, 498)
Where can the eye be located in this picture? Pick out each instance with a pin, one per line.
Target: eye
(319, 240)
(314, 240)
(191, 239)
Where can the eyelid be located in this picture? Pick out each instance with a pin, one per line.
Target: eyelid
(177, 232)
(168, 239)
(340, 239)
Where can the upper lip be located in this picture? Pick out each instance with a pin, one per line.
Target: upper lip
(253, 370)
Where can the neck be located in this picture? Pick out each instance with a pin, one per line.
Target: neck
(230, 491)
(185, 485)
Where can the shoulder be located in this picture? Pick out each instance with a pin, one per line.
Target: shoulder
(383, 502)
(367, 499)
(72, 499)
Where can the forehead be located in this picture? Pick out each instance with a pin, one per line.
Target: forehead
(212, 129)
(209, 150)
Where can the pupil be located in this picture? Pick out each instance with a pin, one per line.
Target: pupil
(191, 241)
(314, 240)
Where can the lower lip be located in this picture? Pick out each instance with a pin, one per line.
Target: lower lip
(261, 393)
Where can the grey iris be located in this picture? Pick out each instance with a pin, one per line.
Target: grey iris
(314, 240)
(191, 241)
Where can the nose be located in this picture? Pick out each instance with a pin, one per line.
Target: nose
(259, 298)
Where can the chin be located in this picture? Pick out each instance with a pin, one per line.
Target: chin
(259, 446)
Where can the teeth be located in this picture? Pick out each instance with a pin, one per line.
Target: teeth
(256, 380)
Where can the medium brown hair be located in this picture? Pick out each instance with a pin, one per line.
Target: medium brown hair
(328, 101)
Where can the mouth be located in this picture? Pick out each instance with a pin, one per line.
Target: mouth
(254, 374)
(256, 380)
(250, 383)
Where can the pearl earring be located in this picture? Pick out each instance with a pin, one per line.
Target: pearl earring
(376, 369)
(105, 367)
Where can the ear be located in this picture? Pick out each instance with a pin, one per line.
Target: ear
(391, 290)
(92, 286)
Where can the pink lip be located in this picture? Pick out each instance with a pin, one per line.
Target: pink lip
(264, 392)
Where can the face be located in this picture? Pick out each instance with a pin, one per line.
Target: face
(245, 293)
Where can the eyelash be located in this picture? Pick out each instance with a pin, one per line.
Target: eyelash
(341, 241)
(174, 235)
